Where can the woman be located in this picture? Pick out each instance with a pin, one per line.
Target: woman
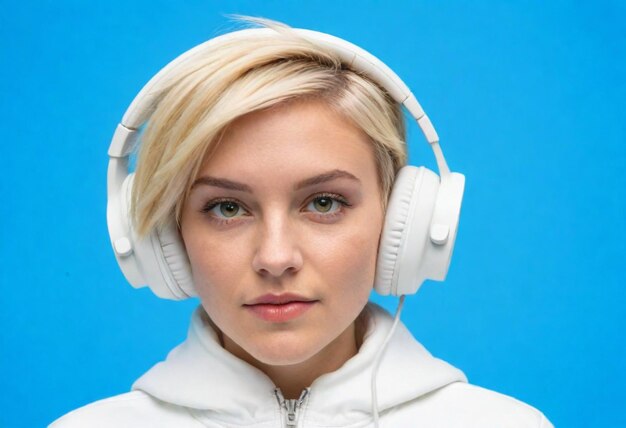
(264, 186)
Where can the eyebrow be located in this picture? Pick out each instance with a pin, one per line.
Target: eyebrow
(221, 182)
(325, 177)
(308, 182)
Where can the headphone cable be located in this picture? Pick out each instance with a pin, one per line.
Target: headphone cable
(378, 358)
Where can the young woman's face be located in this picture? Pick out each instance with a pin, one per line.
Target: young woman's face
(282, 229)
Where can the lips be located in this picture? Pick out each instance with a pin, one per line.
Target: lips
(280, 308)
(278, 299)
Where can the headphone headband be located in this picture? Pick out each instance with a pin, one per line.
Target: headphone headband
(421, 219)
(353, 56)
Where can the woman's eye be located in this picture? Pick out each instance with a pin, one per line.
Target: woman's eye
(324, 205)
(225, 209)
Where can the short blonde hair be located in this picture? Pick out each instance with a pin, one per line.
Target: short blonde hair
(206, 94)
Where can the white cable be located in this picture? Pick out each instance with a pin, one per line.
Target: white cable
(378, 358)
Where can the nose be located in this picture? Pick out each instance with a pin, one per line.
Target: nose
(277, 251)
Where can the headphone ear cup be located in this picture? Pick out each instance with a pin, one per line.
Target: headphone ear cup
(397, 217)
(420, 230)
(176, 261)
(157, 260)
(405, 230)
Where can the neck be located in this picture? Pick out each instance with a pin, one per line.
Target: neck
(293, 378)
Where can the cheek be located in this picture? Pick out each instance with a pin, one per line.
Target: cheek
(349, 256)
(213, 263)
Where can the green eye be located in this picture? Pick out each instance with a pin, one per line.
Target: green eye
(224, 210)
(229, 209)
(324, 205)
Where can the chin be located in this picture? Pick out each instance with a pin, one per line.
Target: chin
(283, 352)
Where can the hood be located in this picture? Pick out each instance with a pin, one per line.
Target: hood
(200, 374)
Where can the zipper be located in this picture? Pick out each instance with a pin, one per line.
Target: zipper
(291, 406)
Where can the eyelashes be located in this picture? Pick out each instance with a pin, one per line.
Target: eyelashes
(324, 206)
(223, 209)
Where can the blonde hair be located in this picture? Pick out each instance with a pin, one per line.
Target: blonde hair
(206, 94)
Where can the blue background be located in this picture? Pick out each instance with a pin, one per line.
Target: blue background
(527, 96)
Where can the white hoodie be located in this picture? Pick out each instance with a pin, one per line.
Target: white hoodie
(200, 384)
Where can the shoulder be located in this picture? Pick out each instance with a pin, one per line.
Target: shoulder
(133, 409)
(463, 404)
(490, 406)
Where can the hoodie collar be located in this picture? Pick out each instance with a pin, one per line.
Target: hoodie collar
(200, 374)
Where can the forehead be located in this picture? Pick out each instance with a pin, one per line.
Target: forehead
(299, 138)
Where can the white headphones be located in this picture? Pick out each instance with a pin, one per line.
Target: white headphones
(420, 223)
